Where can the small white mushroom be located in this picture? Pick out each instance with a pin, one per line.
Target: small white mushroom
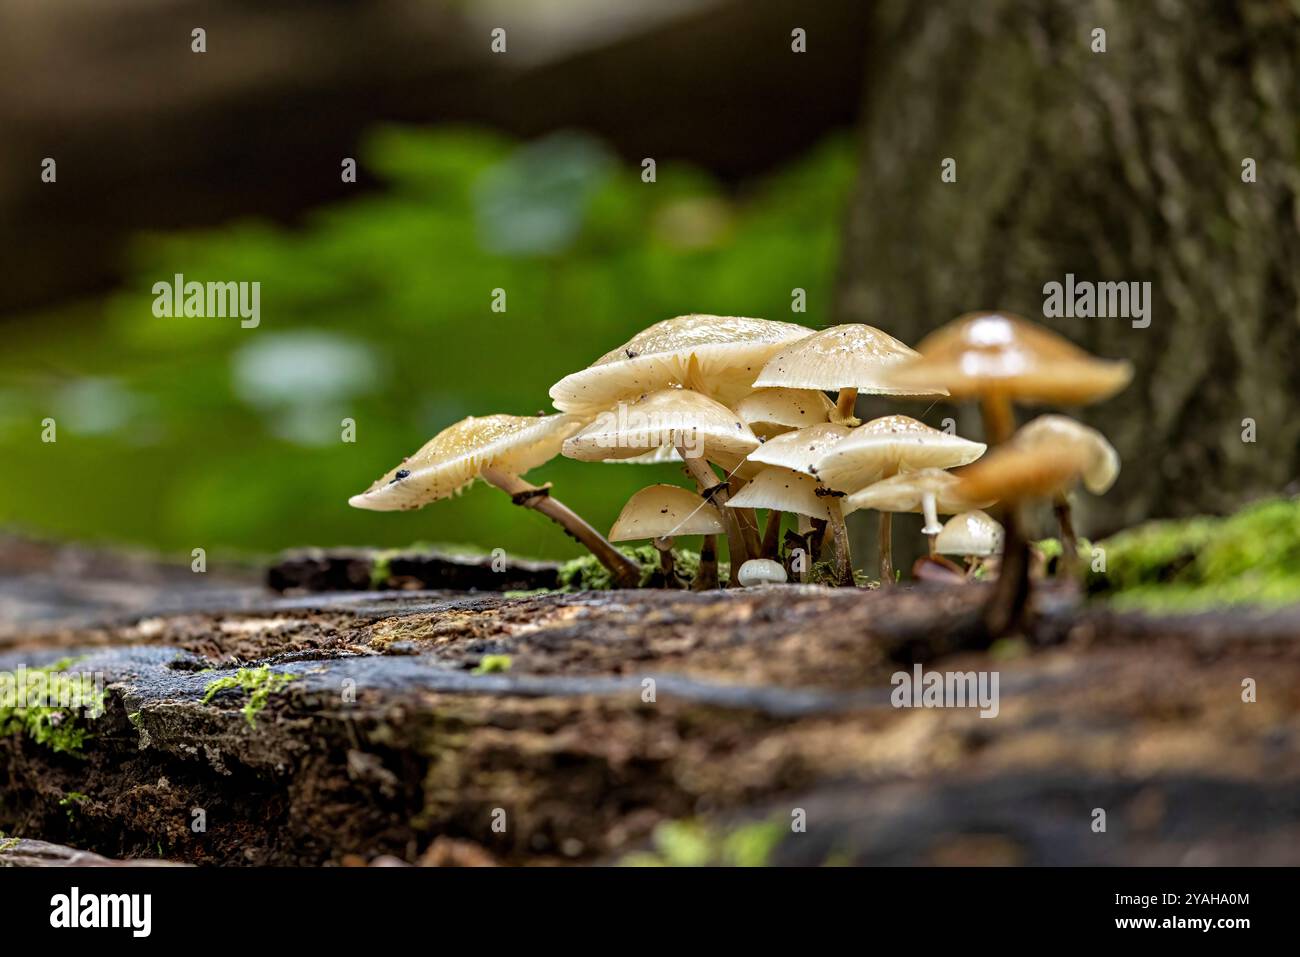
(761, 571)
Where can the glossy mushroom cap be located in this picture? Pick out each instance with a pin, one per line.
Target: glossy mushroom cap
(784, 490)
(770, 412)
(907, 492)
(843, 357)
(1059, 431)
(801, 449)
(986, 353)
(453, 458)
(970, 533)
(668, 417)
(665, 511)
(716, 355)
(890, 444)
(1019, 471)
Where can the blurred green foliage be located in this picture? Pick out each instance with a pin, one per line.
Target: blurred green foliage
(186, 432)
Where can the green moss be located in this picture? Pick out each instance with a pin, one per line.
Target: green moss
(59, 727)
(70, 801)
(260, 683)
(1250, 558)
(7, 843)
(492, 664)
(587, 574)
(693, 843)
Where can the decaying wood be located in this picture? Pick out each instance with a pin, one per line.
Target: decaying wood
(623, 710)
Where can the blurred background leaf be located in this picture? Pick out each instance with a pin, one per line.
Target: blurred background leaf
(181, 432)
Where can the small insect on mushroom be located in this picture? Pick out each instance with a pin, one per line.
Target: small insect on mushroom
(497, 449)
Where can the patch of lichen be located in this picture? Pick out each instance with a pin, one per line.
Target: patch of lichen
(259, 683)
(59, 727)
(693, 843)
(1250, 558)
(585, 573)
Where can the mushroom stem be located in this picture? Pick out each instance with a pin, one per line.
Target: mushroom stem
(707, 577)
(749, 528)
(1006, 609)
(772, 534)
(999, 418)
(846, 402)
(667, 566)
(717, 493)
(886, 548)
(1069, 541)
(932, 527)
(840, 532)
(806, 532)
(626, 573)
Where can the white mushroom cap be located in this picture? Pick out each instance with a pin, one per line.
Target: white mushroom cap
(801, 449)
(761, 571)
(668, 417)
(1102, 466)
(970, 533)
(784, 490)
(932, 491)
(890, 444)
(852, 356)
(453, 458)
(716, 355)
(784, 409)
(665, 511)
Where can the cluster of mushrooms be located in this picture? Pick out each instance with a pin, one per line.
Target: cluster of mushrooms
(752, 398)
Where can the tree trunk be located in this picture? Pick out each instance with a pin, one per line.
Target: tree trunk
(1123, 165)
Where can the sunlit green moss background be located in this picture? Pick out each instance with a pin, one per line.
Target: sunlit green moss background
(184, 432)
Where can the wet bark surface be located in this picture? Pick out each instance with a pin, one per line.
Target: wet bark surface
(623, 710)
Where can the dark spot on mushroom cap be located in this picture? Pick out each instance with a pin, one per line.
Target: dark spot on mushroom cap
(663, 511)
(401, 474)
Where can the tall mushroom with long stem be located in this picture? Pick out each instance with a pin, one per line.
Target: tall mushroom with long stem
(663, 513)
(999, 358)
(931, 491)
(497, 449)
(1100, 471)
(797, 451)
(1017, 473)
(849, 360)
(700, 429)
(882, 448)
